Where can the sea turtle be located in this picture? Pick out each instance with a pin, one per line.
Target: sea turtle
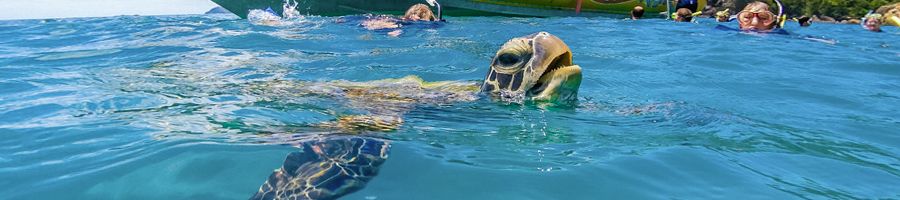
(533, 68)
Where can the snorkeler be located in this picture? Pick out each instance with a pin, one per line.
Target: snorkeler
(637, 12)
(684, 15)
(872, 22)
(804, 21)
(685, 10)
(724, 16)
(418, 14)
(757, 17)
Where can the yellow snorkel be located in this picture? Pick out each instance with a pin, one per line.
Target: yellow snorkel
(726, 12)
(781, 18)
(698, 13)
(893, 20)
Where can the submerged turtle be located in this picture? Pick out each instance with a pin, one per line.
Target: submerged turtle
(537, 68)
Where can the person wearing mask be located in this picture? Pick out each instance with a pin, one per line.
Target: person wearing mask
(872, 22)
(757, 17)
(684, 15)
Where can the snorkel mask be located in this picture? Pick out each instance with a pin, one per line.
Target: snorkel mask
(765, 17)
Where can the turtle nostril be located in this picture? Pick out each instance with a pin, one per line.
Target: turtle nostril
(507, 59)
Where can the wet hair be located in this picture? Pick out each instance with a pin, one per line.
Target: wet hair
(755, 4)
(804, 21)
(419, 12)
(684, 15)
(875, 16)
(637, 12)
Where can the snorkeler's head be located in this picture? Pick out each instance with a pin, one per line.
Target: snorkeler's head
(637, 12)
(757, 17)
(804, 21)
(419, 12)
(873, 22)
(684, 15)
(722, 16)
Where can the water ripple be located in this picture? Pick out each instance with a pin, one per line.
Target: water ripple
(169, 100)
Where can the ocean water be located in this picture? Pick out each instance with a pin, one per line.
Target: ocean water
(138, 107)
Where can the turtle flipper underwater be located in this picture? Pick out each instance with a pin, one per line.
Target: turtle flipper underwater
(326, 169)
(537, 67)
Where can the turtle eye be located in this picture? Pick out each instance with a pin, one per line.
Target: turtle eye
(507, 59)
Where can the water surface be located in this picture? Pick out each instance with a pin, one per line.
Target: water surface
(158, 108)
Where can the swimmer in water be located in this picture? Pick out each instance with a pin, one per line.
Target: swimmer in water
(723, 16)
(419, 12)
(415, 13)
(684, 15)
(804, 21)
(757, 17)
(872, 22)
(637, 12)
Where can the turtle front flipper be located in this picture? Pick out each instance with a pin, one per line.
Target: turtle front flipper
(326, 169)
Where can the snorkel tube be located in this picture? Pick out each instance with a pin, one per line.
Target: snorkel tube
(862, 21)
(780, 18)
(892, 20)
(438, 6)
(669, 13)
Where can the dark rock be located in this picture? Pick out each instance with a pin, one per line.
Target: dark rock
(884, 9)
(218, 10)
(709, 11)
(849, 21)
(823, 18)
(734, 5)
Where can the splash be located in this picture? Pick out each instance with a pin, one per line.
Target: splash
(264, 17)
(289, 15)
(290, 9)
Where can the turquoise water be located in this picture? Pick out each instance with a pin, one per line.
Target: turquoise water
(158, 108)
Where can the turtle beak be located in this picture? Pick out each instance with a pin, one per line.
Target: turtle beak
(537, 67)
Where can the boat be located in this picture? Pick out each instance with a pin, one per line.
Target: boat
(523, 8)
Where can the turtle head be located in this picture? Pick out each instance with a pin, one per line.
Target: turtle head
(535, 67)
